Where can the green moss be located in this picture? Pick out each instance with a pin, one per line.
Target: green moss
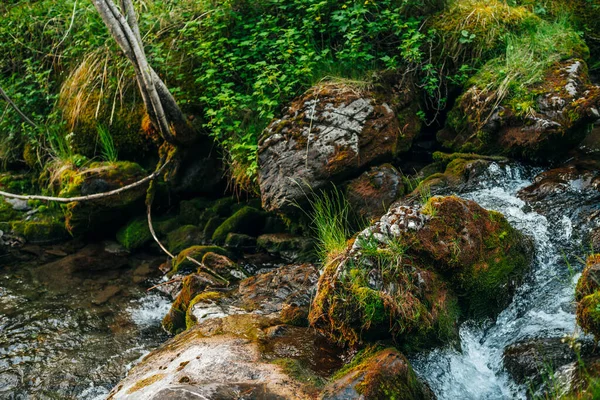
(135, 234)
(7, 212)
(299, 371)
(247, 220)
(588, 314)
(191, 212)
(182, 264)
(46, 227)
(184, 237)
(205, 297)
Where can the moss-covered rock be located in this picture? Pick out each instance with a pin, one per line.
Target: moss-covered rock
(184, 237)
(587, 295)
(224, 266)
(240, 241)
(191, 212)
(531, 103)
(175, 320)
(403, 276)
(47, 226)
(182, 264)
(99, 177)
(247, 220)
(287, 246)
(135, 234)
(384, 374)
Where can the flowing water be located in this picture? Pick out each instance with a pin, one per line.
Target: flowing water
(543, 307)
(74, 336)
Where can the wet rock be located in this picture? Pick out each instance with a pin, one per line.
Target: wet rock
(386, 374)
(565, 107)
(401, 276)
(106, 294)
(184, 237)
(247, 220)
(458, 172)
(224, 356)
(41, 228)
(224, 266)
(374, 191)
(182, 264)
(331, 133)
(530, 361)
(240, 241)
(574, 189)
(289, 247)
(101, 214)
(587, 296)
(192, 285)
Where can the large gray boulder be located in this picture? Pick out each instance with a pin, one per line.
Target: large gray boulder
(331, 133)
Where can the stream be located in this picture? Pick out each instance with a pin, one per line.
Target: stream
(69, 330)
(73, 334)
(543, 306)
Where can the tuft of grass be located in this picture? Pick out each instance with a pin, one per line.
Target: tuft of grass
(330, 220)
(107, 145)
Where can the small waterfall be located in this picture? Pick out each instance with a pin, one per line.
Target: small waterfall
(542, 307)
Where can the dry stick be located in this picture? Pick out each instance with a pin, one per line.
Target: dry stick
(176, 279)
(88, 197)
(17, 109)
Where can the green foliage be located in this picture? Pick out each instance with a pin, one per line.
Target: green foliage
(248, 57)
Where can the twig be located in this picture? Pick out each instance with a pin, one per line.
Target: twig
(17, 109)
(94, 196)
(149, 214)
(176, 279)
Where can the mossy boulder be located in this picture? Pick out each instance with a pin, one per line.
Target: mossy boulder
(247, 220)
(383, 374)
(135, 234)
(406, 276)
(539, 111)
(331, 133)
(47, 226)
(239, 241)
(587, 296)
(99, 177)
(224, 266)
(184, 237)
(182, 264)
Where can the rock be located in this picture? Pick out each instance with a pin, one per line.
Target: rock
(227, 356)
(331, 133)
(184, 237)
(192, 285)
(211, 226)
(192, 211)
(223, 266)
(529, 361)
(559, 119)
(247, 220)
(587, 296)
(99, 177)
(459, 171)
(240, 241)
(386, 374)
(573, 187)
(201, 171)
(106, 294)
(411, 266)
(135, 234)
(18, 204)
(41, 228)
(374, 191)
(289, 247)
(181, 264)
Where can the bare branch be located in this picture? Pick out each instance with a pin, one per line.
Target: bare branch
(17, 109)
(90, 197)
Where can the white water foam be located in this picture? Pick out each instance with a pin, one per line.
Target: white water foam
(542, 307)
(149, 310)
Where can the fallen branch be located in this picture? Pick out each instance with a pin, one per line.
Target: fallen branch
(94, 196)
(176, 279)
